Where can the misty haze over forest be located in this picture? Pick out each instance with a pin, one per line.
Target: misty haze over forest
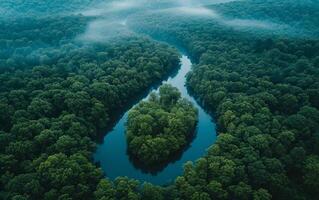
(113, 16)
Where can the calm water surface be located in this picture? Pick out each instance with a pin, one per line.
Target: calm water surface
(112, 153)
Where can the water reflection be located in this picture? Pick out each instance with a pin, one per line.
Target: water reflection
(115, 161)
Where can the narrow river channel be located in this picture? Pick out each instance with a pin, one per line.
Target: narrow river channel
(112, 153)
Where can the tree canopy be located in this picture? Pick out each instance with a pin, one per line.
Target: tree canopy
(161, 126)
(260, 79)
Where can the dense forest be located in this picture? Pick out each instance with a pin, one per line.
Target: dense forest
(28, 42)
(35, 8)
(264, 92)
(161, 126)
(58, 94)
(300, 15)
(267, 111)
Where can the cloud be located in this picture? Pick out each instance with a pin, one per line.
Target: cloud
(112, 7)
(191, 7)
(250, 23)
(102, 30)
(112, 17)
(195, 11)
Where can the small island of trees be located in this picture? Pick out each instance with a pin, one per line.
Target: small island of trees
(161, 126)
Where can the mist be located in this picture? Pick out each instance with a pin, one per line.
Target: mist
(103, 30)
(248, 23)
(111, 18)
(112, 7)
(197, 11)
(191, 7)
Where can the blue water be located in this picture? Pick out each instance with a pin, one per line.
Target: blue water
(112, 153)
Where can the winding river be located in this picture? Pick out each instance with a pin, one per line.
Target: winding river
(112, 153)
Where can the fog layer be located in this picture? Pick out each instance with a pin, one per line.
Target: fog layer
(111, 16)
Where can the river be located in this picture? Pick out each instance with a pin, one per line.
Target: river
(112, 153)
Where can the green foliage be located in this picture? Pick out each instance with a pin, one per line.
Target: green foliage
(57, 94)
(264, 114)
(161, 126)
(36, 8)
(28, 42)
(300, 15)
(262, 89)
(311, 173)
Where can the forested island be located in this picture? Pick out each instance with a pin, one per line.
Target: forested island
(161, 126)
(263, 89)
(68, 68)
